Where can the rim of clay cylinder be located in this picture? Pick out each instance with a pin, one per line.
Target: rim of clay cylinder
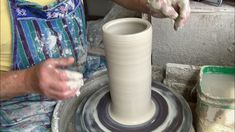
(107, 28)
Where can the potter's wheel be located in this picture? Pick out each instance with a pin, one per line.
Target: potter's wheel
(89, 111)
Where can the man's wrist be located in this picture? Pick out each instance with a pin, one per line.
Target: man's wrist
(29, 80)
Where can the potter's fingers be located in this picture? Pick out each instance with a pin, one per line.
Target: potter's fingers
(61, 92)
(155, 5)
(78, 92)
(60, 75)
(59, 63)
(51, 73)
(72, 75)
(63, 95)
(158, 15)
(59, 86)
(161, 9)
(184, 12)
(75, 84)
(169, 11)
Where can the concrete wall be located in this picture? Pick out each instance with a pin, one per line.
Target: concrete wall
(98, 7)
(207, 38)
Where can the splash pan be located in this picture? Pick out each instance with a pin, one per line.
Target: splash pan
(89, 111)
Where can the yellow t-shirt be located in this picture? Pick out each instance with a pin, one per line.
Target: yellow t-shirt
(6, 36)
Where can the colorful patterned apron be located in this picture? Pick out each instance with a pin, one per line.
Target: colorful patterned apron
(48, 32)
(39, 33)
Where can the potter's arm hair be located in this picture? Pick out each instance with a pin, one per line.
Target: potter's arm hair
(138, 5)
(13, 83)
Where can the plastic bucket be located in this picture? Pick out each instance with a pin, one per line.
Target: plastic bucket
(216, 103)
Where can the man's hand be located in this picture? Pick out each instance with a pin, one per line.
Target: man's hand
(46, 78)
(50, 80)
(177, 10)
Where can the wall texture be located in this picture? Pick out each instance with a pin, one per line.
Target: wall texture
(207, 38)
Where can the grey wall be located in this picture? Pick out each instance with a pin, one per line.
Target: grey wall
(207, 38)
(98, 7)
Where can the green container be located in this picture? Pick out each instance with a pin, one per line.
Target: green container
(216, 102)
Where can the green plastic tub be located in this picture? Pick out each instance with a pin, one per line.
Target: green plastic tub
(216, 99)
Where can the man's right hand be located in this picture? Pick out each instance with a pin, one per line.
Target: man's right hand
(48, 79)
(178, 10)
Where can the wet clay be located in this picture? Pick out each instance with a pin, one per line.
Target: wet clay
(128, 44)
(75, 80)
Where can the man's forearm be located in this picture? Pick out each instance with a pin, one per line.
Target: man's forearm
(138, 5)
(13, 84)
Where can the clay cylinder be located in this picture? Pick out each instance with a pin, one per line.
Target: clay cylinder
(128, 44)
